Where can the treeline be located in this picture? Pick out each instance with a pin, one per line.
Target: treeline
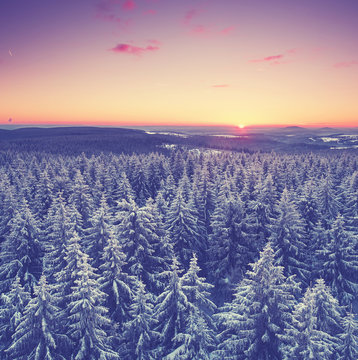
(196, 255)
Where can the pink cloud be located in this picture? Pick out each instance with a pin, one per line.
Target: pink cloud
(133, 50)
(345, 64)
(190, 15)
(268, 58)
(109, 17)
(221, 86)
(129, 5)
(227, 30)
(155, 42)
(150, 12)
(200, 30)
(105, 10)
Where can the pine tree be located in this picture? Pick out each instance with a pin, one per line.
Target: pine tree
(171, 312)
(96, 235)
(327, 200)
(139, 334)
(88, 326)
(21, 253)
(229, 249)
(35, 337)
(288, 238)
(11, 310)
(302, 339)
(114, 282)
(81, 198)
(252, 324)
(44, 195)
(184, 229)
(200, 326)
(261, 210)
(139, 233)
(340, 268)
(59, 229)
(348, 349)
(328, 311)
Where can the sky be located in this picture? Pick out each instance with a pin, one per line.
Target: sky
(179, 62)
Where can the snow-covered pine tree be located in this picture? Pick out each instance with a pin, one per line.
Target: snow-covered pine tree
(328, 311)
(43, 196)
(139, 234)
(348, 350)
(140, 338)
(116, 283)
(261, 210)
(340, 267)
(171, 312)
(139, 183)
(59, 229)
(252, 324)
(203, 192)
(200, 326)
(88, 326)
(185, 229)
(35, 337)
(288, 238)
(327, 200)
(96, 235)
(21, 253)
(12, 307)
(229, 249)
(81, 198)
(302, 340)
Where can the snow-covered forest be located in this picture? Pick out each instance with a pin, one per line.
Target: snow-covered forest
(192, 255)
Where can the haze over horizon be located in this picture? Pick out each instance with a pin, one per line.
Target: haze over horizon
(193, 62)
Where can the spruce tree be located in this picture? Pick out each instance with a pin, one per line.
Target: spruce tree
(184, 228)
(340, 267)
(288, 239)
(35, 337)
(12, 307)
(114, 282)
(229, 249)
(88, 326)
(252, 324)
(171, 312)
(302, 339)
(21, 253)
(139, 335)
(348, 349)
(96, 235)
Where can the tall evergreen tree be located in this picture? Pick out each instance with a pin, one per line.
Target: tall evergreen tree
(288, 238)
(229, 249)
(12, 307)
(139, 334)
(96, 235)
(200, 326)
(81, 198)
(252, 324)
(340, 268)
(138, 233)
(21, 253)
(348, 349)
(302, 339)
(185, 229)
(89, 328)
(171, 312)
(114, 282)
(35, 337)
(59, 229)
